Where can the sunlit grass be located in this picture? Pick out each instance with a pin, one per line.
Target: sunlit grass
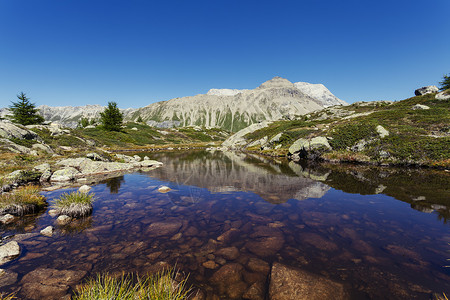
(24, 200)
(161, 286)
(7, 297)
(75, 204)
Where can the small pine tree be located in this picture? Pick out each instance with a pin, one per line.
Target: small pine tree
(111, 118)
(445, 83)
(139, 120)
(83, 122)
(24, 112)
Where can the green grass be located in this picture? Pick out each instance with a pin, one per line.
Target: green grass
(161, 286)
(74, 204)
(21, 201)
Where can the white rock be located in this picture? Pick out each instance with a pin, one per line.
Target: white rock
(420, 106)
(9, 251)
(6, 219)
(137, 158)
(164, 189)
(53, 212)
(382, 131)
(65, 174)
(445, 95)
(47, 231)
(134, 128)
(63, 220)
(84, 188)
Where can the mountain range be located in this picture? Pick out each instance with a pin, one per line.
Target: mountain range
(229, 109)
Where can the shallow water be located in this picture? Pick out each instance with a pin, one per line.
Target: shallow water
(382, 233)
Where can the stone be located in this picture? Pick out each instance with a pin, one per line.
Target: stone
(308, 145)
(84, 189)
(45, 283)
(420, 107)
(382, 132)
(258, 265)
(229, 235)
(6, 219)
(43, 148)
(94, 156)
(9, 252)
(445, 95)
(137, 158)
(63, 220)
(164, 189)
(265, 241)
(47, 231)
(227, 276)
(7, 277)
(134, 128)
(163, 228)
(65, 174)
(53, 212)
(287, 283)
(426, 90)
(42, 167)
(210, 264)
(256, 291)
(230, 253)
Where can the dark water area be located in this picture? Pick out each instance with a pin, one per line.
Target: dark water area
(380, 233)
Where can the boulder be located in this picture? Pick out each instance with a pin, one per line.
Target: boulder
(287, 283)
(47, 231)
(426, 90)
(445, 95)
(137, 158)
(230, 253)
(382, 132)
(9, 252)
(84, 189)
(94, 156)
(42, 167)
(238, 140)
(44, 283)
(13, 147)
(308, 145)
(7, 278)
(256, 291)
(163, 228)
(9, 130)
(228, 279)
(63, 220)
(420, 106)
(65, 174)
(6, 219)
(43, 148)
(265, 241)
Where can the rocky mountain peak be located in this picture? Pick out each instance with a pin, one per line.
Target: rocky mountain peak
(276, 82)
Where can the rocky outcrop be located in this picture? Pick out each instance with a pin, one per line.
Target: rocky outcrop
(420, 107)
(288, 283)
(307, 148)
(238, 140)
(445, 95)
(9, 130)
(426, 90)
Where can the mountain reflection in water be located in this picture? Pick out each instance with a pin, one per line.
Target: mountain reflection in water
(230, 217)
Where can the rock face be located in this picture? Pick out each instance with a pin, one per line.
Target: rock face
(225, 108)
(287, 283)
(9, 130)
(426, 90)
(237, 140)
(8, 252)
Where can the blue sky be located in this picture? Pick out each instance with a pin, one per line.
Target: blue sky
(135, 52)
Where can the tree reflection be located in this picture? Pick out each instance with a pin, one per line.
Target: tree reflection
(114, 184)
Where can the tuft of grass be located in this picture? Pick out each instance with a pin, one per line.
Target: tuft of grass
(7, 296)
(75, 204)
(24, 200)
(160, 286)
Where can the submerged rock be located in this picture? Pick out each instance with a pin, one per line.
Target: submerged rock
(288, 283)
(7, 277)
(47, 231)
(63, 220)
(163, 228)
(84, 188)
(9, 252)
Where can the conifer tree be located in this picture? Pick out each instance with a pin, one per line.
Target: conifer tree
(24, 112)
(111, 118)
(445, 83)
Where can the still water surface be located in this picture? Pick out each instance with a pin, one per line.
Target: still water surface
(381, 233)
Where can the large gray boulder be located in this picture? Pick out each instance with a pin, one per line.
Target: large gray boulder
(426, 90)
(309, 144)
(9, 130)
(420, 107)
(287, 283)
(65, 174)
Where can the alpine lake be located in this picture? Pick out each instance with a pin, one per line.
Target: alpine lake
(373, 232)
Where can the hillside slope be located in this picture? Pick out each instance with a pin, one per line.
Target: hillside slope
(413, 131)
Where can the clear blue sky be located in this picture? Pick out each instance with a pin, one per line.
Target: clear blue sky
(136, 52)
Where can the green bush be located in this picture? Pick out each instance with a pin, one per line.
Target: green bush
(348, 134)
